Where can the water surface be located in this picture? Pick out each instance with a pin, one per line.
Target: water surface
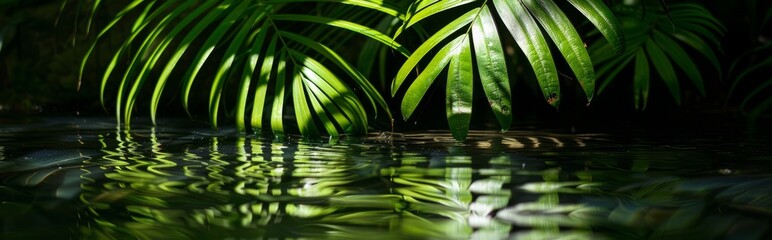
(84, 178)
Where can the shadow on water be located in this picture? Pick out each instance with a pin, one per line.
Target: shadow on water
(89, 180)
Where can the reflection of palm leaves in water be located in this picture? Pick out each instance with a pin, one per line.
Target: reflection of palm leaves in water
(731, 207)
(145, 191)
(275, 189)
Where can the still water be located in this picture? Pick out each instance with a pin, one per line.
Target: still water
(75, 178)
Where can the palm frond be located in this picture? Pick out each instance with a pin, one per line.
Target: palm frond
(752, 80)
(269, 51)
(477, 29)
(751, 76)
(658, 38)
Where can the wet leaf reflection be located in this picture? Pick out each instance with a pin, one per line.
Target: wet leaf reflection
(248, 187)
(152, 184)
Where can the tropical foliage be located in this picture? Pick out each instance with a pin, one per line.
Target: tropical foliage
(751, 77)
(219, 55)
(474, 33)
(659, 37)
(273, 49)
(286, 52)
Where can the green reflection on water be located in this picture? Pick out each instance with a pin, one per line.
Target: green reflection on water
(252, 187)
(255, 188)
(248, 187)
(152, 184)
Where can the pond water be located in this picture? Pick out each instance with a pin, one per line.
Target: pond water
(65, 178)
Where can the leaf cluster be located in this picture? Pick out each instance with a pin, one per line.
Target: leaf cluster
(283, 58)
(657, 40)
(475, 33)
(277, 52)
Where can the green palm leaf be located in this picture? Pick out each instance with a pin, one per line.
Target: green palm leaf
(277, 110)
(681, 58)
(192, 35)
(139, 24)
(234, 12)
(458, 102)
(529, 38)
(338, 94)
(424, 80)
(525, 20)
(423, 12)
(262, 86)
(225, 65)
(369, 32)
(373, 59)
(641, 81)
(249, 70)
(492, 66)
(263, 50)
(700, 45)
(427, 45)
(602, 17)
(665, 69)
(383, 6)
(559, 28)
(302, 111)
(105, 30)
(661, 40)
(350, 70)
(752, 80)
(613, 67)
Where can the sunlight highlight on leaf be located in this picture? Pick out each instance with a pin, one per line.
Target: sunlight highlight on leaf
(426, 46)
(492, 67)
(527, 34)
(562, 32)
(458, 102)
(424, 80)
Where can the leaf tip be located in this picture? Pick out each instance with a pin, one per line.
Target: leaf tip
(553, 99)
